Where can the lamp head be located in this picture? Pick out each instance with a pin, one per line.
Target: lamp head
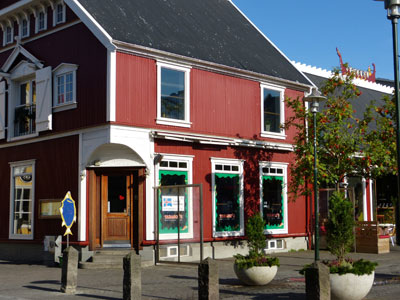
(393, 8)
(314, 98)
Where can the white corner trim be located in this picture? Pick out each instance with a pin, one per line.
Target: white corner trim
(111, 85)
(357, 81)
(99, 32)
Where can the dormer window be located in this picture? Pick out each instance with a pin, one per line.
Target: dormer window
(25, 28)
(8, 35)
(41, 21)
(59, 14)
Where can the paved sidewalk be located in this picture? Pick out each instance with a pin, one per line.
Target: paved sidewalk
(24, 281)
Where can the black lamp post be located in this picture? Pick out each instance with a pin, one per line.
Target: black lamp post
(314, 98)
(393, 13)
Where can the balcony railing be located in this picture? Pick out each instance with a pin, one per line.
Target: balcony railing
(25, 120)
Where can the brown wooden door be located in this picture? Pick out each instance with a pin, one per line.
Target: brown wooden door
(116, 199)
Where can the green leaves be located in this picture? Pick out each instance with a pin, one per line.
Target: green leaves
(340, 235)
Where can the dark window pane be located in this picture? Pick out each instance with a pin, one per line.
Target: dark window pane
(235, 168)
(117, 194)
(272, 171)
(218, 167)
(172, 94)
(272, 111)
(265, 170)
(279, 171)
(183, 165)
(228, 202)
(227, 168)
(164, 164)
(173, 164)
(272, 204)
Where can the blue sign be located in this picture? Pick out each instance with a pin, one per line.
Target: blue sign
(68, 213)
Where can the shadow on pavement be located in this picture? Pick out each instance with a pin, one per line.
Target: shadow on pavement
(97, 297)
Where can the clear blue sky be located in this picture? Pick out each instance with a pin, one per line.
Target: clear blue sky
(308, 31)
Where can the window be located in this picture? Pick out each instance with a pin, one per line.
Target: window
(8, 35)
(274, 196)
(173, 95)
(65, 86)
(22, 200)
(175, 203)
(25, 28)
(227, 190)
(25, 111)
(41, 21)
(59, 14)
(272, 115)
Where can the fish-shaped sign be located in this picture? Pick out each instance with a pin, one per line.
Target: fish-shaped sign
(68, 212)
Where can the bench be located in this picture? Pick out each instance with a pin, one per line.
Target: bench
(368, 239)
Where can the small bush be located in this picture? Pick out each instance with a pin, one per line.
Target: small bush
(358, 267)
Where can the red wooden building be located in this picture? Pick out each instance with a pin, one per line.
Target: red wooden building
(109, 99)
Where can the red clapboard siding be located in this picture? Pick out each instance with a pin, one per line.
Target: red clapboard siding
(136, 90)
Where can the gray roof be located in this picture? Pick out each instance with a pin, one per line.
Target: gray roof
(209, 30)
(361, 103)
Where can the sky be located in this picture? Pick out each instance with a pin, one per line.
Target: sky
(308, 31)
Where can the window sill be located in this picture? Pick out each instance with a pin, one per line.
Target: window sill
(23, 137)
(63, 107)
(273, 135)
(227, 234)
(172, 122)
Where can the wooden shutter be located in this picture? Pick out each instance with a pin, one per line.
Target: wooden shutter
(2, 109)
(43, 99)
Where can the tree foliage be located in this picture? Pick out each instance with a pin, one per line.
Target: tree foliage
(345, 144)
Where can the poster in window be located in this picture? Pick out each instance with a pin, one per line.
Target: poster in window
(227, 202)
(173, 203)
(272, 202)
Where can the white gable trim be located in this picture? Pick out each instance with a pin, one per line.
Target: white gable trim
(357, 81)
(20, 50)
(98, 31)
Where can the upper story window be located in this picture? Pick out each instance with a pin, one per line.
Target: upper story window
(8, 35)
(24, 28)
(173, 105)
(273, 111)
(25, 110)
(41, 21)
(59, 13)
(64, 80)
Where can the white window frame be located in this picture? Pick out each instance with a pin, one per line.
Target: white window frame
(55, 13)
(277, 165)
(38, 28)
(188, 159)
(281, 90)
(62, 70)
(27, 27)
(5, 35)
(168, 121)
(239, 164)
(14, 165)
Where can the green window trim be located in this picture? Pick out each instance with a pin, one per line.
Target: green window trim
(170, 227)
(227, 209)
(282, 213)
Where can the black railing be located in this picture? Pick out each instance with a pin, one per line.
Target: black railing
(25, 120)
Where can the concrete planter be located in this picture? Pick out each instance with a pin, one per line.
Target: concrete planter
(350, 286)
(256, 275)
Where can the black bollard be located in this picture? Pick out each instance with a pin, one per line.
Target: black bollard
(208, 280)
(318, 285)
(132, 288)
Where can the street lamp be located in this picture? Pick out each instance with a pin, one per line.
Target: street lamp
(314, 98)
(393, 13)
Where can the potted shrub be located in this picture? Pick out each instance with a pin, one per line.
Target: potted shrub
(349, 279)
(256, 268)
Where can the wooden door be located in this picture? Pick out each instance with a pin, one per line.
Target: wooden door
(116, 199)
